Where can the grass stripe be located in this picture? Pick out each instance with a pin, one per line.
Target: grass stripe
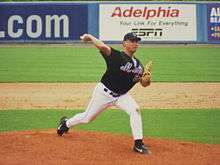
(84, 64)
(191, 125)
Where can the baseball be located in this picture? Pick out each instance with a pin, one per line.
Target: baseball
(82, 37)
(85, 37)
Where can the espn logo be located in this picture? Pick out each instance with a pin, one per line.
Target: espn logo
(148, 32)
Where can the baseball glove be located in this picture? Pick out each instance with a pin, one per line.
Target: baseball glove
(146, 77)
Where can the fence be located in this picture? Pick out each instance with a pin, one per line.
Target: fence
(154, 22)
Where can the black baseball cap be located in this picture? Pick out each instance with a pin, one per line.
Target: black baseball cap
(132, 37)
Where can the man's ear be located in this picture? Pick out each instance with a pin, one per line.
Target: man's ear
(124, 43)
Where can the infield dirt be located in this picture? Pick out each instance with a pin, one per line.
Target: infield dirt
(77, 95)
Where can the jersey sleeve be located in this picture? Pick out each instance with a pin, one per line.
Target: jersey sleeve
(112, 56)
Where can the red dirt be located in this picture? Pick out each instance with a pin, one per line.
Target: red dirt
(80, 147)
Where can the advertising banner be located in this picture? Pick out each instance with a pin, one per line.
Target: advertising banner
(151, 22)
(42, 21)
(214, 22)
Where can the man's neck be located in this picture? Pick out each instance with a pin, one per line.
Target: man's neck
(130, 54)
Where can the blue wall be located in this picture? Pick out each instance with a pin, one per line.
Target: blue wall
(202, 23)
(42, 21)
(18, 21)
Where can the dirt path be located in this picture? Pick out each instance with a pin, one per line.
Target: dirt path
(81, 147)
(77, 95)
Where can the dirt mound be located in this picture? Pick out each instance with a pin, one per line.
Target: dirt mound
(80, 147)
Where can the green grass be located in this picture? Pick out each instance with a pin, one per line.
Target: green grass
(189, 125)
(84, 64)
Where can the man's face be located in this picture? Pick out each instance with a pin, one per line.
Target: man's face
(131, 45)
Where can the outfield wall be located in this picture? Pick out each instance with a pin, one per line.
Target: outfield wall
(154, 22)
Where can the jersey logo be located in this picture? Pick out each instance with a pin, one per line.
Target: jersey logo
(127, 68)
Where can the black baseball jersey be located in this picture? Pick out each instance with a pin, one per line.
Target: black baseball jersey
(122, 73)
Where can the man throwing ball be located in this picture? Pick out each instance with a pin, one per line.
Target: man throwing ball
(123, 71)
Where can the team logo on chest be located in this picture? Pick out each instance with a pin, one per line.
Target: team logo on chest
(128, 68)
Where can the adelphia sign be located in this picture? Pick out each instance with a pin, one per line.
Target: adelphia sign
(151, 22)
(145, 12)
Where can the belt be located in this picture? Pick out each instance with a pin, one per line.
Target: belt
(111, 93)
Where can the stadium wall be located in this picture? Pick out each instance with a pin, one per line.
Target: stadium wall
(154, 22)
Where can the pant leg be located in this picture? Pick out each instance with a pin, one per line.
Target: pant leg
(99, 102)
(129, 105)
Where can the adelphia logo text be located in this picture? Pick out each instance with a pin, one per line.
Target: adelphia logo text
(145, 12)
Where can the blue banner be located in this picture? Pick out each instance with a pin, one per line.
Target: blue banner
(42, 21)
(214, 22)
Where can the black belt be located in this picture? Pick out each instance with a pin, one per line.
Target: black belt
(111, 93)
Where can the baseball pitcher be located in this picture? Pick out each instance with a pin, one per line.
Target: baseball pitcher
(123, 71)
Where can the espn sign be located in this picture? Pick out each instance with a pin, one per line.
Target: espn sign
(149, 32)
(151, 22)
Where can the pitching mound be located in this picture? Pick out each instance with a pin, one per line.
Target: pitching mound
(80, 147)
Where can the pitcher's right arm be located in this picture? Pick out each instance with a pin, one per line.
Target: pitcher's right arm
(105, 49)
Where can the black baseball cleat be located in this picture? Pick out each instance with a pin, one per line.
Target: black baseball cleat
(141, 148)
(62, 128)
